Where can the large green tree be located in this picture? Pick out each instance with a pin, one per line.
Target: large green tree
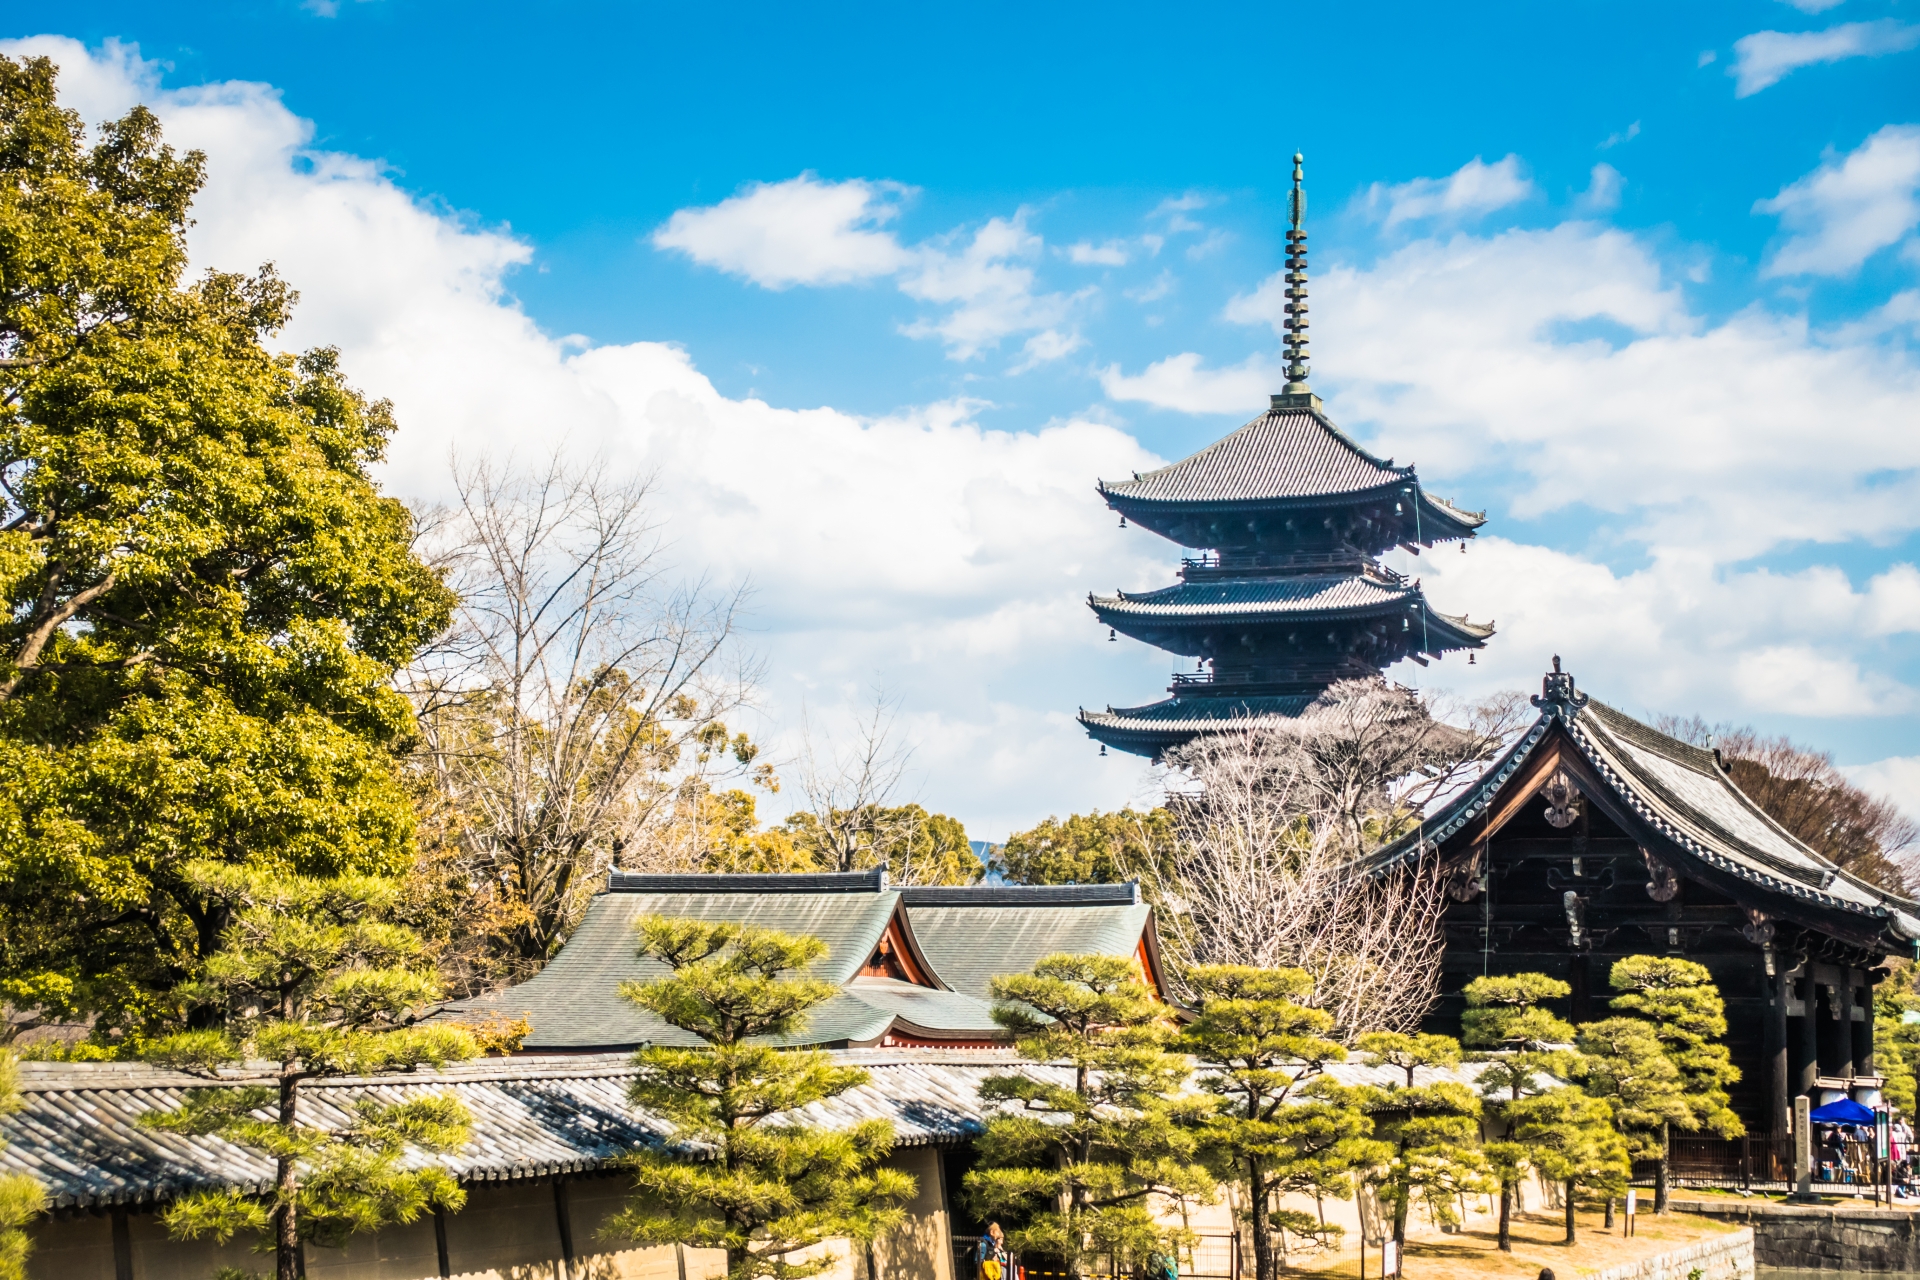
(1079, 1164)
(1284, 1126)
(1679, 1001)
(314, 980)
(1505, 1014)
(206, 593)
(741, 1172)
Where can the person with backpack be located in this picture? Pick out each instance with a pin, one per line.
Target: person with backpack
(990, 1256)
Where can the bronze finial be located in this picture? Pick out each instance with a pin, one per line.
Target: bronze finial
(1296, 308)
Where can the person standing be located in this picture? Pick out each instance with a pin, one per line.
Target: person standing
(990, 1257)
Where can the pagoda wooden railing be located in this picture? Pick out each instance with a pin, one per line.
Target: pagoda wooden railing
(1259, 561)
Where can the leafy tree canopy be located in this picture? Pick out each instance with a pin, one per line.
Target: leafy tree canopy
(206, 593)
(1088, 848)
(1433, 1129)
(916, 847)
(1679, 1000)
(740, 1175)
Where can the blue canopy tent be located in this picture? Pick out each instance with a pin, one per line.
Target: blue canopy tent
(1842, 1111)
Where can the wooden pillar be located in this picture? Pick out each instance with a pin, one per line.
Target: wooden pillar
(440, 1242)
(1809, 1029)
(1779, 1086)
(122, 1245)
(566, 1226)
(1843, 1067)
(1863, 1030)
(1579, 978)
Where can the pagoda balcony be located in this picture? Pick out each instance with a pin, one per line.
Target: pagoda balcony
(1240, 563)
(1277, 681)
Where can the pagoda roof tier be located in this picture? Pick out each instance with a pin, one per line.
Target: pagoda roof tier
(1153, 728)
(1278, 602)
(1287, 458)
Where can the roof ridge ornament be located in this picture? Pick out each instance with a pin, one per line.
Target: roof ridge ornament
(1557, 696)
(1296, 394)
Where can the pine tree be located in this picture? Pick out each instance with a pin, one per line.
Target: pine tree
(1284, 1126)
(741, 1174)
(1626, 1066)
(21, 1197)
(313, 980)
(1569, 1137)
(1076, 1165)
(1679, 1000)
(1434, 1129)
(1504, 1013)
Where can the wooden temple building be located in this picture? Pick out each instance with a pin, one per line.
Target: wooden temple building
(1286, 594)
(1595, 837)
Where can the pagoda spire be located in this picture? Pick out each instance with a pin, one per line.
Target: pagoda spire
(1296, 308)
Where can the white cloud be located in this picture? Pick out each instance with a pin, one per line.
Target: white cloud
(1113, 253)
(1603, 189)
(990, 284)
(1814, 6)
(1680, 634)
(1897, 778)
(1473, 189)
(1767, 57)
(1174, 212)
(1631, 132)
(1155, 289)
(1707, 58)
(1180, 383)
(1850, 207)
(1570, 356)
(1047, 346)
(801, 231)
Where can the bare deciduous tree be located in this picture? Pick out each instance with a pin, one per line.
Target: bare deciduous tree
(575, 712)
(852, 820)
(1270, 827)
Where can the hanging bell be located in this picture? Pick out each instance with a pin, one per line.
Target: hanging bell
(1112, 635)
(1470, 661)
(1103, 748)
(1123, 522)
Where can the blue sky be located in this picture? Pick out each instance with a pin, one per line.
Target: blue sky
(878, 292)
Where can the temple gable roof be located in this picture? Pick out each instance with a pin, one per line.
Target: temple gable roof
(1678, 794)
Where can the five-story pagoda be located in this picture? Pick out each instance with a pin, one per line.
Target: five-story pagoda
(1287, 595)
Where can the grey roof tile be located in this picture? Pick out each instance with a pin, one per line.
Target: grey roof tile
(971, 945)
(1284, 453)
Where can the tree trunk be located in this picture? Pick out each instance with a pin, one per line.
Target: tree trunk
(1660, 1169)
(1570, 1228)
(286, 1226)
(1608, 1224)
(1263, 1268)
(1506, 1216)
(1403, 1196)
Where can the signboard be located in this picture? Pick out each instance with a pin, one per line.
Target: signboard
(1390, 1259)
(1882, 1134)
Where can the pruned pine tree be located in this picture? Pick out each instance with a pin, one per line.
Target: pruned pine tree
(1077, 1165)
(1537, 1058)
(1433, 1130)
(313, 980)
(1283, 1126)
(21, 1197)
(739, 1171)
(1679, 1000)
(1569, 1138)
(1627, 1067)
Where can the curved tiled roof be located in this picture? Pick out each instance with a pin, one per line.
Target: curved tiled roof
(1331, 593)
(79, 1132)
(970, 945)
(1283, 453)
(575, 1002)
(1197, 715)
(1682, 792)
